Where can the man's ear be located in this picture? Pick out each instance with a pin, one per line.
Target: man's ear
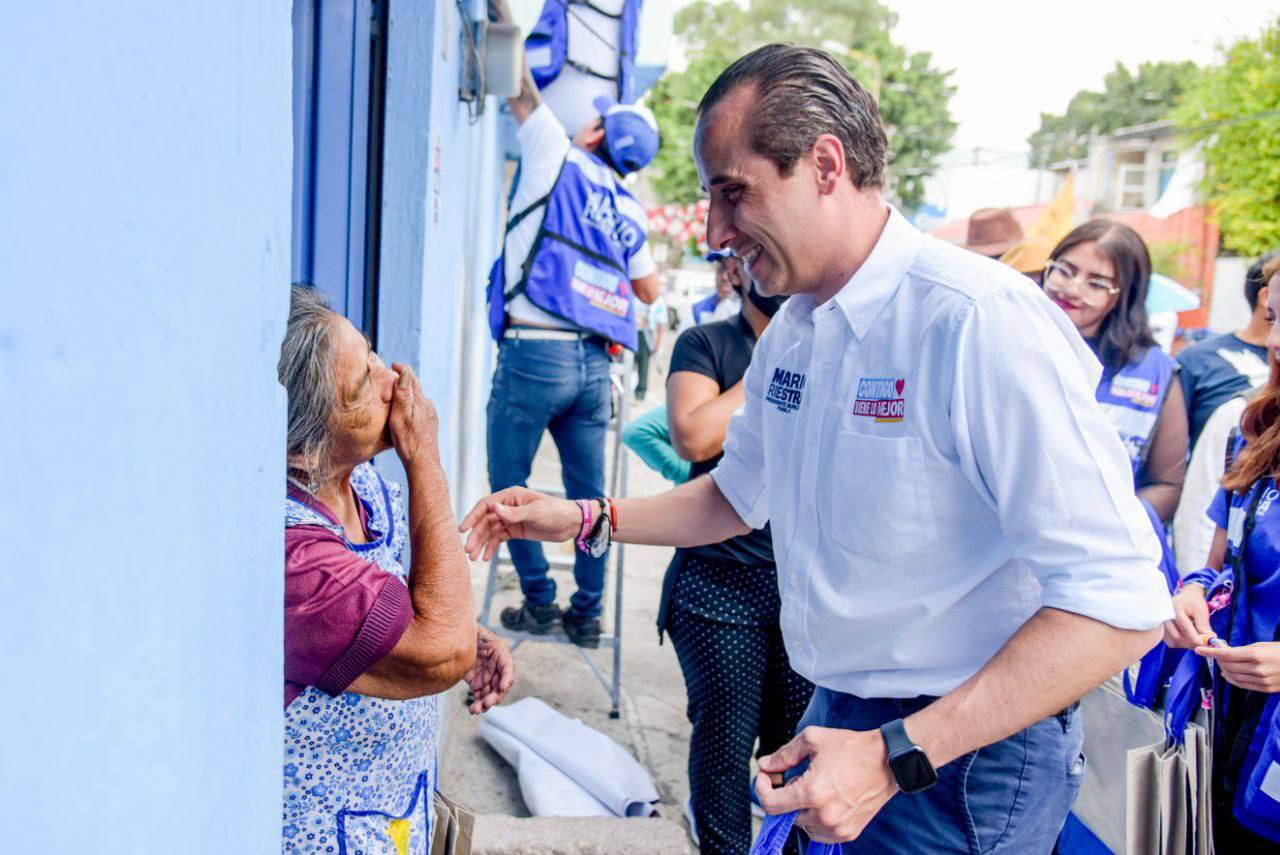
(1261, 302)
(828, 158)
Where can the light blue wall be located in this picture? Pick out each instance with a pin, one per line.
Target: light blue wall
(442, 210)
(145, 168)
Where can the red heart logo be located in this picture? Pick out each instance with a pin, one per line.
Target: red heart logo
(900, 385)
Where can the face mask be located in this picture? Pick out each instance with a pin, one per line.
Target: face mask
(768, 306)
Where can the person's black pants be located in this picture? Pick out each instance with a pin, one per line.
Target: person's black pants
(741, 687)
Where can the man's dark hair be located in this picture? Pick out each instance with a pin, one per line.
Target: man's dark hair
(803, 93)
(1255, 279)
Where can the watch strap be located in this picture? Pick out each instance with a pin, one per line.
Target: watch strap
(895, 736)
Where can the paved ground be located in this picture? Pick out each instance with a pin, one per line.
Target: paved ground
(652, 724)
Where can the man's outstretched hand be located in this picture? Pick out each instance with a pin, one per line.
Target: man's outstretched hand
(521, 514)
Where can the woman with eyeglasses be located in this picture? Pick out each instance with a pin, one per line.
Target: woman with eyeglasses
(1098, 274)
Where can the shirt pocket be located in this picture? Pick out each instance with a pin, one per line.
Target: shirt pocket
(879, 504)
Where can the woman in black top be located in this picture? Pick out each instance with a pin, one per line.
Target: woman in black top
(720, 602)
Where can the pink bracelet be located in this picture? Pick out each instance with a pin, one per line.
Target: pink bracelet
(584, 506)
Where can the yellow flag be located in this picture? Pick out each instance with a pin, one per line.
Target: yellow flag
(1030, 254)
(1055, 222)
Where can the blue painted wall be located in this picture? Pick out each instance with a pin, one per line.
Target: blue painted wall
(145, 179)
(441, 220)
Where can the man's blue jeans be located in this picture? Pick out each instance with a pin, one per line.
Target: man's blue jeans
(563, 387)
(1012, 796)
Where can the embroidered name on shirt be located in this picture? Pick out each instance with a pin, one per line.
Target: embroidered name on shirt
(881, 398)
(786, 390)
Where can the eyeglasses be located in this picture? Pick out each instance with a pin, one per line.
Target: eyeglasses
(1059, 274)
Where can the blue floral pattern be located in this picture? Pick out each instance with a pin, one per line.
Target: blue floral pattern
(372, 761)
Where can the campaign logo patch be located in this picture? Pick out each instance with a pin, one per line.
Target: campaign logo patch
(1141, 392)
(786, 390)
(881, 398)
(603, 290)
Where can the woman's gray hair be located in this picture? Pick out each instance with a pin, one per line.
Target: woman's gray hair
(307, 371)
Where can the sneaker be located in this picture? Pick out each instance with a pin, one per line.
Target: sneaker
(538, 620)
(693, 823)
(584, 632)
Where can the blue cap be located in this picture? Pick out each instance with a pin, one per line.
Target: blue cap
(630, 134)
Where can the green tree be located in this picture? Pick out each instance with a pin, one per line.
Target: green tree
(1126, 99)
(913, 93)
(1234, 111)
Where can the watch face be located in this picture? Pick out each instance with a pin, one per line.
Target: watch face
(913, 771)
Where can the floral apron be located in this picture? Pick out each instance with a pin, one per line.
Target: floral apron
(359, 772)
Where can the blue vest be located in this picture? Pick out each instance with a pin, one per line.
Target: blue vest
(577, 268)
(1131, 399)
(549, 40)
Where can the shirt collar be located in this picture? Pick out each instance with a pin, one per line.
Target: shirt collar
(870, 288)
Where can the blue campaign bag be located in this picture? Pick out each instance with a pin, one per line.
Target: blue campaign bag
(1158, 665)
(547, 45)
(1257, 804)
(773, 836)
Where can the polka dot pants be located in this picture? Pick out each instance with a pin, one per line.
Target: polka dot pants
(741, 688)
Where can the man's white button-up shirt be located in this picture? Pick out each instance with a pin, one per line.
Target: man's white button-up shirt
(928, 450)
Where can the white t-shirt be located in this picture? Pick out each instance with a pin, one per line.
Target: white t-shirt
(543, 146)
(1192, 529)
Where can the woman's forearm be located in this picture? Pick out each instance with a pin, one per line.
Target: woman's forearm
(698, 433)
(439, 576)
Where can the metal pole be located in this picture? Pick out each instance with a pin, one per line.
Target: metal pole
(620, 491)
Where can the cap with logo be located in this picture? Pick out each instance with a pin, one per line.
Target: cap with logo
(630, 134)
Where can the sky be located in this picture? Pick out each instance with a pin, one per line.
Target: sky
(1014, 59)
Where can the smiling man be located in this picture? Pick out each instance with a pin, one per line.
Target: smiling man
(960, 553)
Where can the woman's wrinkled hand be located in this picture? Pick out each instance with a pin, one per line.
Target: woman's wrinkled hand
(413, 423)
(1250, 666)
(1190, 624)
(493, 674)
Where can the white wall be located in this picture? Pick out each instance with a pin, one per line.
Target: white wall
(1229, 310)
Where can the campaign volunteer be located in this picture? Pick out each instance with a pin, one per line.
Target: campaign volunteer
(725, 301)
(574, 255)
(960, 552)
(1244, 564)
(720, 602)
(1098, 275)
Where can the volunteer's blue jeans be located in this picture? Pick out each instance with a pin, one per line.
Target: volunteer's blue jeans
(1012, 796)
(563, 387)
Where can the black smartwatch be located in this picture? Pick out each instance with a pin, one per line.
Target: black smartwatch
(908, 762)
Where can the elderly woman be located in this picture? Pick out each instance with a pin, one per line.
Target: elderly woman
(368, 642)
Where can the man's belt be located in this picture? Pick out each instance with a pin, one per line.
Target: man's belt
(546, 334)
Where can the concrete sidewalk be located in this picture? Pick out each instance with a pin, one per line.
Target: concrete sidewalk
(652, 725)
